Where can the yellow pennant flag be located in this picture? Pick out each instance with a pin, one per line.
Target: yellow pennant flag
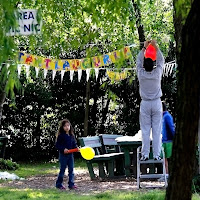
(85, 63)
(107, 59)
(127, 52)
(97, 61)
(116, 76)
(75, 64)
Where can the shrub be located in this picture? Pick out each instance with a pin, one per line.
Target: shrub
(8, 165)
(196, 184)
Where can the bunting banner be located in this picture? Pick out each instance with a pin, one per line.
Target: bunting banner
(169, 67)
(75, 64)
(111, 73)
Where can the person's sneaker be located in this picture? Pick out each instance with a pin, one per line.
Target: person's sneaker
(144, 158)
(62, 188)
(157, 158)
(74, 187)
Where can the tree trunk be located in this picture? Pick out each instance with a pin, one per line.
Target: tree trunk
(104, 113)
(87, 109)
(199, 140)
(94, 109)
(138, 23)
(2, 99)
(38, 134)
(184, 148)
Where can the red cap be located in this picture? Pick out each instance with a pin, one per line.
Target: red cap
(150, 52)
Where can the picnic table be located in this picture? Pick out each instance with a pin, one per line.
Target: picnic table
(129, 146)
(108, 155)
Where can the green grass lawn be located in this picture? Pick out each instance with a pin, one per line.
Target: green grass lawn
(16, 194)
(32, 169)
(12, 194)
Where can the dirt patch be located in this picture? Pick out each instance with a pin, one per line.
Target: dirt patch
(83, 182)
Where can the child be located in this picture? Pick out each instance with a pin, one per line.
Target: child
(168, 131)
(65, 140)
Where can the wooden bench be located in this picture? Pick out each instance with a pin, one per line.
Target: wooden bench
(106, 161)
(109, 144)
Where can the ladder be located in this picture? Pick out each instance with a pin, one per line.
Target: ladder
(150, 161)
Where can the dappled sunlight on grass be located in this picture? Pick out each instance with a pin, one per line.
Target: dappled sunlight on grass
(196, 197)
(35, 194)
(31, 169)
(128, 195)
(26, 170)
(52, 171)
(16, 194)
(48, 172)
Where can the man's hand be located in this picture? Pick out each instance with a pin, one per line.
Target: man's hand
(146, 43)
(154, 44)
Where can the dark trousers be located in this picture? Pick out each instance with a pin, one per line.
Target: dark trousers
(66, 160)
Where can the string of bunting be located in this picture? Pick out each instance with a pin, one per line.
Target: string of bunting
(77, 65)
(96, 62)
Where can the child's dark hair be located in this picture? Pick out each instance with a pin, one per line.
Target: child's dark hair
(61, 130)
(164, 106)
(148, 64)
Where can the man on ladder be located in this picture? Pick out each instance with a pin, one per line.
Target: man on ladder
(151, 105)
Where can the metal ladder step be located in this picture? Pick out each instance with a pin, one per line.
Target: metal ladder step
(150, 161)
(151, 176)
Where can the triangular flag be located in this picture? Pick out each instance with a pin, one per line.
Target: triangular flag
(96, 72)
(37, 71)
(27, 70)
(45, 73)
(79, 74)
(7, 65)
(164, 69)
(172, 66)
(88, 74)
(53, 74)
(71, 75)
(8, 71)
(62, 75)
(19, 68)
(168, 69)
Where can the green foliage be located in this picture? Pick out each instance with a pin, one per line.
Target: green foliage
(8, 76)
(157, 19)
(70, 26)
(9, 80)
(182, 8)
(76, 29)
(8, 165)
(196, 184)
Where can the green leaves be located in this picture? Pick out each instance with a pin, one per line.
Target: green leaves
(182, 8)
(11, 81)
(70, 27)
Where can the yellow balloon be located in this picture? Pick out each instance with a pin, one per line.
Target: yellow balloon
(87, 153)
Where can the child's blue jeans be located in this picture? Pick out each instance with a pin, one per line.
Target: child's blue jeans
(66, 160)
